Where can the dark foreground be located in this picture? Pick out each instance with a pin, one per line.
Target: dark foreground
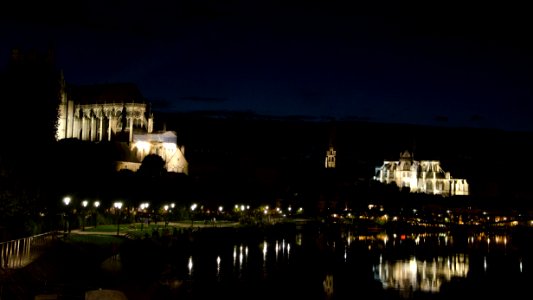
(149, 268)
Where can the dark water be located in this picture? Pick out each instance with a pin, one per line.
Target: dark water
(321, 262)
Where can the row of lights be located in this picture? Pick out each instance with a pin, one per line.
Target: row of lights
(84, 203)
(166, 207)
(96, 204)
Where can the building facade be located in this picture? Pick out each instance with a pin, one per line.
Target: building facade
(425, 176)
(117, 113)
(331, 155)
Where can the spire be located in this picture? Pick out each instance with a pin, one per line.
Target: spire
(331, 154)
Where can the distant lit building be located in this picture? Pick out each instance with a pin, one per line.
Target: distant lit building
(163, 144)
(330, 158)
(118, 113)
(425, 176)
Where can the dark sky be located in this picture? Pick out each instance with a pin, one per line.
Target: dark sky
(398, 61)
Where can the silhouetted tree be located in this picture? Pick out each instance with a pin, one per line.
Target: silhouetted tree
(152, 166)
(28, 120)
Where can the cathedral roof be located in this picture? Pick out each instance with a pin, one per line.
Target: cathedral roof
(165, 137)
(106, 93)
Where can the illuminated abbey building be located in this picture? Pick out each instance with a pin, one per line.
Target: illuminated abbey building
(117, 112)
(425, 176)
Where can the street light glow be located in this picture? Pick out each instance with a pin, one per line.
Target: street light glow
(66, 200)
(84, 203)
(118, 205)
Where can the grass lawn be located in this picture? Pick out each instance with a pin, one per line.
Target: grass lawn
(138, 227)
(96, 239)
(124, 228)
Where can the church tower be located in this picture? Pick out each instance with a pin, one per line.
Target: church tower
(331, 153)
(331, 157)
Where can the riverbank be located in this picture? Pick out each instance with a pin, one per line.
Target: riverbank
(135, 261)
(161, 266)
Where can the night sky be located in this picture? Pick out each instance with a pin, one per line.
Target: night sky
(401, 61)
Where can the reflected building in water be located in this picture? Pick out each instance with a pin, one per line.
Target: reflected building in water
(414, 274)
(405, 266)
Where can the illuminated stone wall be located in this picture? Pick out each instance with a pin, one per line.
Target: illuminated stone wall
(424, 176)
(330, 158)
(163, 144)
(99, 121)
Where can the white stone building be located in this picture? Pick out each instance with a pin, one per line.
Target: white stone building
(425, 176)
(331, 155)
(117, 112)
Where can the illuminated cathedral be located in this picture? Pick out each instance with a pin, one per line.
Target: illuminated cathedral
(425, 176)
(117, 112)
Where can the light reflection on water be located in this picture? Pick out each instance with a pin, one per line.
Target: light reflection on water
(429, 272)
(405, 263)
(421, 275)
(272, 253)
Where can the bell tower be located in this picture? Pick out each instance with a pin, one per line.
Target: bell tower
(331, 157)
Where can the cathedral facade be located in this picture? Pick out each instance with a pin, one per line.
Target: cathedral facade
(425, 176)
(117, 113)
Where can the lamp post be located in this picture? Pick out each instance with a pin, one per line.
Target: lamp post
(193, 207)
(145, 215)
(66, 224)
(172, 206)
(166, 215)
(96, 204)
(143, 208)
(118, 205)
(84, 204)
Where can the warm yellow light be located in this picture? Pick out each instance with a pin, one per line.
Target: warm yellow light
(143, 146)
(66, 200)
(84, 203)
(118, 205)
(96, 203)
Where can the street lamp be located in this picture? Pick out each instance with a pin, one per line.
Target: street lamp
(166, 215)
(84, 204)
(96, 205)
(118, 205)
(144, 217)
(193, 207)
(66, 228)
